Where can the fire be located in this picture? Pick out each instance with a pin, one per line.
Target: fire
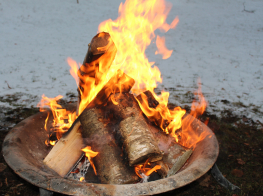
(90, 154)
(63, 119)
(160, 43)
(132, 32)
(144, 169)
(189, 137)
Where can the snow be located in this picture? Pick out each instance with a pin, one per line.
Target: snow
(218, 41)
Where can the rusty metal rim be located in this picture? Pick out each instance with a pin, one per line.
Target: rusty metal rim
(205, 155)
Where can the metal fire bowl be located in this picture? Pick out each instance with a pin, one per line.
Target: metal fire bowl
(24, 150)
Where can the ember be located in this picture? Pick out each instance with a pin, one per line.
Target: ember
(132, 133)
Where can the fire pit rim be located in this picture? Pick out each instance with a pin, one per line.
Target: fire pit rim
(45, 178)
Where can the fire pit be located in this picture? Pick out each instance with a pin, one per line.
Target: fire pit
(24, 150)
(131, 129)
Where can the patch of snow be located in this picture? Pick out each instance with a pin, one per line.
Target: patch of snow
(218, 41)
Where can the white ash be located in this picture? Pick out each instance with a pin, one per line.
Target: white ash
(144, 178)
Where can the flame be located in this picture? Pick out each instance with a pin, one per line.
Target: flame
(160, 43)
(90, 154)
(63, 119)
(81, 179)
(139, 169)
(132, 32)
(189, 136)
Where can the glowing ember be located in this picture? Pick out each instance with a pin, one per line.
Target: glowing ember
(90, 154)
(146, 169)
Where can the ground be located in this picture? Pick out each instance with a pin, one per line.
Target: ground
(240, 158)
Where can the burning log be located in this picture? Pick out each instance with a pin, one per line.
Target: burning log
(138, 140)
(147, 99)
(67, 151)
(120, 82)
(112, 168)
(99, 57)
(174, 155)
(109, 163)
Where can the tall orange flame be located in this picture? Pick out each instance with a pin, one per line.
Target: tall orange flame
(132, 32)
(189, 136)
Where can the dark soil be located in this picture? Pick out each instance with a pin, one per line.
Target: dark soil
(240, 158)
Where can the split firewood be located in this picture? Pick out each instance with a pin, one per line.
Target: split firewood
(138, 140)
(110, 165)
(99, 57)
(66, 152)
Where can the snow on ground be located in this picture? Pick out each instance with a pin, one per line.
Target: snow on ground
(220, 41)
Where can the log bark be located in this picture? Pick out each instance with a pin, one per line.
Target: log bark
(111, 166)
(174, 155)
(138, 140)
(66, 152)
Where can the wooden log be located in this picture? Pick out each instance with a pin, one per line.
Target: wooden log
(98, 59)
(138, 140)
(66, 152)
(174, 155)
(110, 165)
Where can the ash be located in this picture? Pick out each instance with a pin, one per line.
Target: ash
(80, 170)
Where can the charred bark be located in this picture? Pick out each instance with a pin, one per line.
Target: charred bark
(157, 119)
(120, 82)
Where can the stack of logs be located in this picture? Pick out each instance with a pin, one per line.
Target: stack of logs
(114, 126)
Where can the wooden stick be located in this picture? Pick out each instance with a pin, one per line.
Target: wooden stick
(66, 152)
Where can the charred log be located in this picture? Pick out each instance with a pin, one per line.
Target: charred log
(99, 57)
(120, 82)
(147, 98)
